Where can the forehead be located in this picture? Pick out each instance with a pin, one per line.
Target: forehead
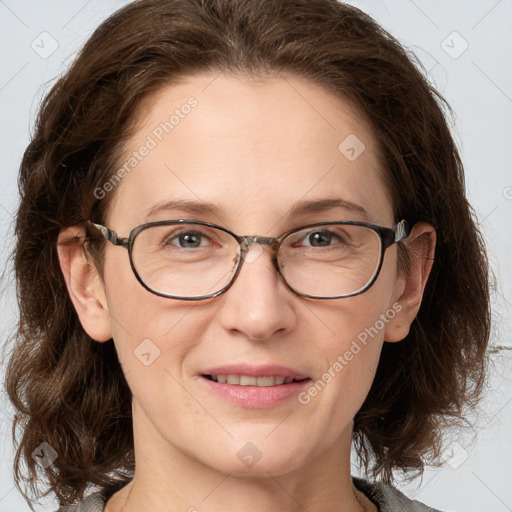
(251, 148)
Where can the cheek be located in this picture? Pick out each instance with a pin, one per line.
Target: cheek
(143, 324)
(358, 321)
(349, 341)
(355, 343)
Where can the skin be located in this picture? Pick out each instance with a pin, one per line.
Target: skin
(253, 148)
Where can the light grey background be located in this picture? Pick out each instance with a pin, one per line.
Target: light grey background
(467, 48)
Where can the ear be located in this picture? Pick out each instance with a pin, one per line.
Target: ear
(84, 284)
(409, 289)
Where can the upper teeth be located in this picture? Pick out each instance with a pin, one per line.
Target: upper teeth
(247, 380)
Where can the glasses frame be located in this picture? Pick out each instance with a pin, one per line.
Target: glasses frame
(388, 237)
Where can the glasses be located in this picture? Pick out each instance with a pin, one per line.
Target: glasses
(194, 260)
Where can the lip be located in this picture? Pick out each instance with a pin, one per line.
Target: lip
(255, 397)
(267, 370)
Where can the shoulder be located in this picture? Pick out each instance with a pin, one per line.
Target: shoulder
(93, 503)
(96, 501)
(390, 499)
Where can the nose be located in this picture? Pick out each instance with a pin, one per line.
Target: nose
(258, 304)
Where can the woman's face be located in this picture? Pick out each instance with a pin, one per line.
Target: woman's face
(254, 150)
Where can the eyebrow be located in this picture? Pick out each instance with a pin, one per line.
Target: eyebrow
(299, 209)
(186, 205)
(322, 205)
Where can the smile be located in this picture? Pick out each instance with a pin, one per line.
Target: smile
(248, 380)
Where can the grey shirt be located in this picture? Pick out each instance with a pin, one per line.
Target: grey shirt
(385, 497)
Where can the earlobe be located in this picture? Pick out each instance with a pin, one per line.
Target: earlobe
(84, 285)
(409, 289)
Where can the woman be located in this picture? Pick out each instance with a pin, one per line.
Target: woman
(243, 247)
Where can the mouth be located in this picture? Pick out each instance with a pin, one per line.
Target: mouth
(254, 386)
(250, 380)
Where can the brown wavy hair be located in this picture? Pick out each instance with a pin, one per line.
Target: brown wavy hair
(70, 392)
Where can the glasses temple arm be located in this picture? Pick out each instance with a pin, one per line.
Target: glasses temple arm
(402, 231)
(110, 235)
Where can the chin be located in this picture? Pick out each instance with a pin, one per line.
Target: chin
(262, 469)
(259, 459)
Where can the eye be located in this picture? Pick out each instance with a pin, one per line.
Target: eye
(322, 238)
(191, 239)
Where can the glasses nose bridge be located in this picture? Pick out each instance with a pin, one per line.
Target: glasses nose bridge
(247, 241)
